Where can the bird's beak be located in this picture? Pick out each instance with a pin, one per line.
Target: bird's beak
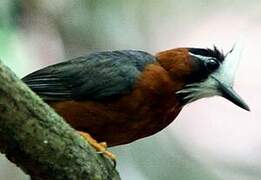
(226, 74)
(229, 93)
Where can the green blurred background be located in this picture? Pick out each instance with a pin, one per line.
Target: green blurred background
(211, 139)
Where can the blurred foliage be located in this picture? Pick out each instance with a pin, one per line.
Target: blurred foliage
(166, 158)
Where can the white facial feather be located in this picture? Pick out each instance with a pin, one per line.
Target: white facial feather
(225, 74)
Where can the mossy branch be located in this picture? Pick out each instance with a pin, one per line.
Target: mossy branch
(38, 140)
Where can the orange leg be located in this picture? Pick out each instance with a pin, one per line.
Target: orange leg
(100, 147)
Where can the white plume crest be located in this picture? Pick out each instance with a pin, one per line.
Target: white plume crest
(227, 71)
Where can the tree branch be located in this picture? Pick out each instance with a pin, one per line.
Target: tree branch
(39, 141)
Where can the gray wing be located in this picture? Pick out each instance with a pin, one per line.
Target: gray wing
(95, 77)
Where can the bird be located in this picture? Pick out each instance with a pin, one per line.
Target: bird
(116, 97)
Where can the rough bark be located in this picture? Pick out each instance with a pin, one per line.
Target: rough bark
(39, 141)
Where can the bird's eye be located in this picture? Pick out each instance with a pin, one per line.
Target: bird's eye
(212, 65)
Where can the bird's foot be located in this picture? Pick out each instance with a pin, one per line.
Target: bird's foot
(100, 147)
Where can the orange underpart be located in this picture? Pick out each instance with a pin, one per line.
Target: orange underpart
(150, 107)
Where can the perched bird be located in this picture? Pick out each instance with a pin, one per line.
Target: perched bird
(120, 96)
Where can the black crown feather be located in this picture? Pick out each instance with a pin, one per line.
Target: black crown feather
(215, 53)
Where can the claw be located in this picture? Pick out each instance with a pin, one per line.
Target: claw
(104, 144)
(101, 148)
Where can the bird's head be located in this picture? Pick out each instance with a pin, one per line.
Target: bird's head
(205, 73)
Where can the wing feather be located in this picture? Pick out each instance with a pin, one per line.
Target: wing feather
(95, 77)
